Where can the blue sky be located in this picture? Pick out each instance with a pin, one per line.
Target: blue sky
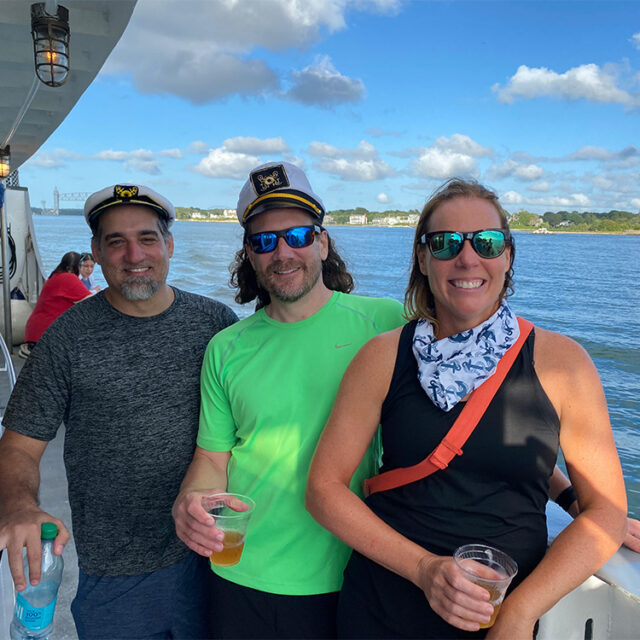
(378, 100)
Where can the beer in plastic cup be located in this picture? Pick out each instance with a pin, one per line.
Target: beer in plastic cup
(489, 568)
(231, 512)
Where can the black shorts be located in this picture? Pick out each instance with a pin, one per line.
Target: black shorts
(242, 612)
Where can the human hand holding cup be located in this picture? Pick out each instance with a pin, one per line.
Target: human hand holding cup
(490, 569)
(231, 513)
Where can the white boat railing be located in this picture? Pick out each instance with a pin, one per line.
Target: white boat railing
(606, 606)
(7, 367)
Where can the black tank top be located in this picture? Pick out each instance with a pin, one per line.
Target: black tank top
(496, 491)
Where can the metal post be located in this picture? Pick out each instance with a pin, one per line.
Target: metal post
(6, 274)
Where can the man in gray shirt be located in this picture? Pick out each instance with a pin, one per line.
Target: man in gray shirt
(121, 370)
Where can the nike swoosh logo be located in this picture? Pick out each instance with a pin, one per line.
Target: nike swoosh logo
(339, 346)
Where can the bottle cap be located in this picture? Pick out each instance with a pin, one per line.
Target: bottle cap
(48, 530)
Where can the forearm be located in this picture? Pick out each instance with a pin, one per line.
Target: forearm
(19, 480)
(578, 552)
(204, 474)
(340, 511)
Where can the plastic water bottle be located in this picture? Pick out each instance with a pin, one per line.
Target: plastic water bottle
(35, 606)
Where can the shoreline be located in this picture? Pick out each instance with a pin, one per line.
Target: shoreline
(628, 232)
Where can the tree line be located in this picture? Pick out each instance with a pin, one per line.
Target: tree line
(610, 222)
(614, 221)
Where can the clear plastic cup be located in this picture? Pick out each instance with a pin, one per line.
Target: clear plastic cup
(232, 513)
(489, 568)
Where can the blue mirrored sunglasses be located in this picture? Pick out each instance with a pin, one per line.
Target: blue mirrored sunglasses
(295, 237)
(487, 243)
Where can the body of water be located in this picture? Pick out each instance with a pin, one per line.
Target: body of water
(584, 286)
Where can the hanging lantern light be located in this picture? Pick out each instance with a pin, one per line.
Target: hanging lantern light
(5, 162)
(50, 44)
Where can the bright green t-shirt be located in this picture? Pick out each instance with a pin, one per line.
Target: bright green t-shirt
(267, 390)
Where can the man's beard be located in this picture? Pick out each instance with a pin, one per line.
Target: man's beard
(288, 293)
(139, 288)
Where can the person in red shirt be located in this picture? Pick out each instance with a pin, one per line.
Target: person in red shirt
(60, 292)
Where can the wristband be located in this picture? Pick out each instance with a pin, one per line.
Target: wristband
(566, 498)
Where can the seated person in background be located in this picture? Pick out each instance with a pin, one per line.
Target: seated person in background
(60, 292)
(87, 263)
(401, 580)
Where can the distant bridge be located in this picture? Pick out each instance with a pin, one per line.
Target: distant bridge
(73, 196)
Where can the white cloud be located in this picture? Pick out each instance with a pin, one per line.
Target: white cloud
(571, 200)
(46, 160)
(528, 172)
(356, 170)
(588, 152)
(54, 159)
(635, 40)
(459, 143)
(221, 163)
(364, 151)
(205, 77)
(384, 6)
(361, 164)
(586, 82)
(448, 157)
(171, 153)
(323, 85)
(255, 146)
(237, 156)
(635, 202)
(441, 164)
(166, 50)
(601, 182)
(142, 160)
(198, 147)
(122, 156)
(383, 198)
(324, 149)
(615, 184)
(627, 157)
(152, 167)
(542, 186)
(511, 197)
(237, 25)
(525, 172)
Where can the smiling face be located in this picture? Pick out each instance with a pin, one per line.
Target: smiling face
(288, 274)
(133, 254)
(466, 289)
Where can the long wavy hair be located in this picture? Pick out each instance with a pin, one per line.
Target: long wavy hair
(418, 298)
(70, 263)
(243, 277)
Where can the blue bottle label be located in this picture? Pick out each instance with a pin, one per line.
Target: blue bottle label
(34, 618)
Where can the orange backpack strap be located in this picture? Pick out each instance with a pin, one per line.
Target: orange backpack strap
(461, 429)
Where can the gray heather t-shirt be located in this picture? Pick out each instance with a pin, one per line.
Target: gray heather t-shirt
(127, 389)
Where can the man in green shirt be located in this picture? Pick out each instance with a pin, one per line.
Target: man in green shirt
(268, 385)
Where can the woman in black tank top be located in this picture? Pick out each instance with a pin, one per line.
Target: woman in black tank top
(401, 580)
